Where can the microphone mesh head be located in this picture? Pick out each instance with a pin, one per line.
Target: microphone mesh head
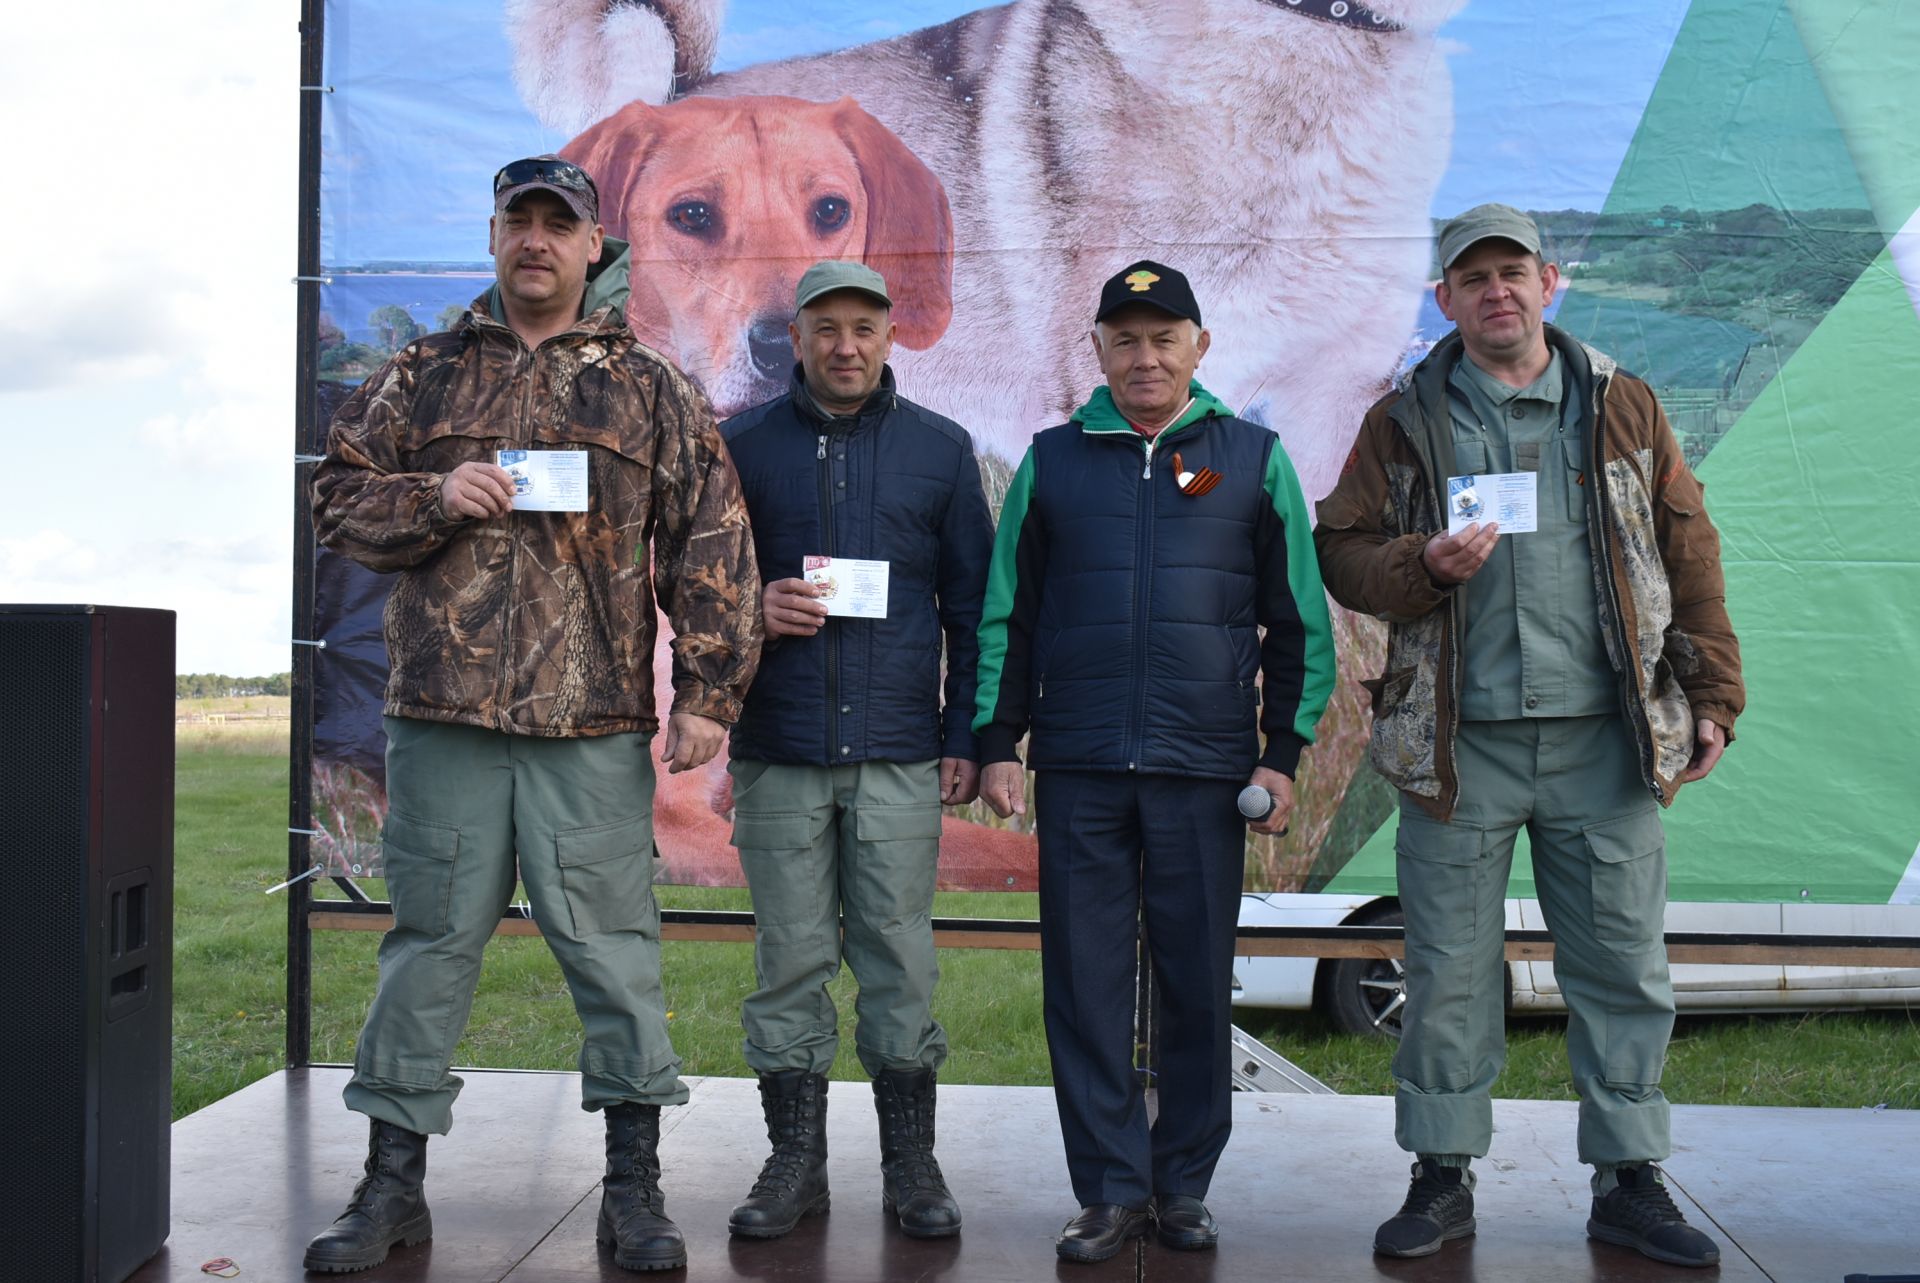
(1255, 802)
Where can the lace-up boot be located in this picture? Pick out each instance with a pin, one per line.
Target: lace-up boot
(1439, 1207)
(633, 1211)
(912, 1187)
(793, 1183)
(389, 1206)
(1639, 1213)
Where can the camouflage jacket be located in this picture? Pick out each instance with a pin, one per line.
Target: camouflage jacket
(543, 623)
(1657, 581)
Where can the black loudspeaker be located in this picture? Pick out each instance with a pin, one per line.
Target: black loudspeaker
(86, 938)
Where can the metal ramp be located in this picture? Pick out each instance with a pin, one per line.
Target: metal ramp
(1258, 1067)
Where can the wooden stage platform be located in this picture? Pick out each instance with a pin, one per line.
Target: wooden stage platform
(1790, 1194)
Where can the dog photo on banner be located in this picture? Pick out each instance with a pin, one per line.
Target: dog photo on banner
(995, 164)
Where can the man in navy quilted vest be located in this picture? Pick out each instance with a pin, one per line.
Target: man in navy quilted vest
(875, 534)
(1153, 610)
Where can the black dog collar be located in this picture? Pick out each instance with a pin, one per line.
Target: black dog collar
(1340, 12)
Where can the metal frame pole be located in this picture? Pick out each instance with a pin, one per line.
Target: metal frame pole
(307, 442)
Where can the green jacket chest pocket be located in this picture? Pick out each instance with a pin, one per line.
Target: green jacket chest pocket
(1471, 458)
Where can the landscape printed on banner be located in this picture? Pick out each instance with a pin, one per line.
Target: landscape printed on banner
(980, 159)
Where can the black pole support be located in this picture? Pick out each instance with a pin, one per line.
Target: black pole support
(307, 440)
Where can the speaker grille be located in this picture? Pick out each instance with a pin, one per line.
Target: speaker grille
(43, 769)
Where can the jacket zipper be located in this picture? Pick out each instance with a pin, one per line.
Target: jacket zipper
(1143, 587)
(1597, 528)
(833, 634)
(1143, 582)
(505, 720)
(1449, 638)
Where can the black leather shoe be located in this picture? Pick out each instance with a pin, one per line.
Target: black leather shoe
(389, 1205)
(1183, 1223)
(1100, 1231)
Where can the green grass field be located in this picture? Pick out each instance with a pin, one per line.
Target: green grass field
(230, 986)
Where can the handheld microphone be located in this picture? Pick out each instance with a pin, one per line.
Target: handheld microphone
(1255, 803)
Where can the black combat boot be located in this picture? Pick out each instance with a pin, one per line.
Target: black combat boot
(793, 1183)
(388, 1206)
(912, 1186)
(633, 1211)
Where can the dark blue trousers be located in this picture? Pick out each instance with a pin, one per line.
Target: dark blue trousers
(1108, 843)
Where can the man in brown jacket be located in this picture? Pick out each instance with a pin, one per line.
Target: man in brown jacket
(520, 707)
(1565, 678)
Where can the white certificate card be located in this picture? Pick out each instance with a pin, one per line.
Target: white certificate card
(546, 480)
(856, 589)
(1510, 498)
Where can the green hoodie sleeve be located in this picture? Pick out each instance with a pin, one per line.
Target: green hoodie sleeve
(1296, 655)
(1006, 622)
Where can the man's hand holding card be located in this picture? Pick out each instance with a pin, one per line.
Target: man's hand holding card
(855, 589)
(1510, 500)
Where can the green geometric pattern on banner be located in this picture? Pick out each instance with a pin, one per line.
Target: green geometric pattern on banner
(1815, 488)
(1814, 495)
(1738, 117)
(1864, 52)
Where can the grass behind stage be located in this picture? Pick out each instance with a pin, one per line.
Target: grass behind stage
(230, 987)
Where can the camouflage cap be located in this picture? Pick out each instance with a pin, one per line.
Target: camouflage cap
(838, 274)
(549, 173)
(1485, 222)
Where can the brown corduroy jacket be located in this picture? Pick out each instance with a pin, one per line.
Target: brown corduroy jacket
(1657, 580)
(543, 623)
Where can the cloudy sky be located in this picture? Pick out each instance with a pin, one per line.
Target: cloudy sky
(146, 316)
(146, 309)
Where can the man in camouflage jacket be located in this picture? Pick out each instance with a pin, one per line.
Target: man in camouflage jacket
(520, 705)
(1565, 679)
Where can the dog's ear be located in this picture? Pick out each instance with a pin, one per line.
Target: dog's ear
(909, 226)
(614, 151)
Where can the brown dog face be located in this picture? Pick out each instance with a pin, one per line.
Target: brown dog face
(726, 201)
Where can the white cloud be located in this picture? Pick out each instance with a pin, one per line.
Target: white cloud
(222, 434)
(51, 557)
(231, 595)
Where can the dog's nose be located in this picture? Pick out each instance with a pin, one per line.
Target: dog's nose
(771, 349)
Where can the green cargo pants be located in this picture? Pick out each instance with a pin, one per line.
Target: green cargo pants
(461, 802)
(1600, 869)
(840, 860)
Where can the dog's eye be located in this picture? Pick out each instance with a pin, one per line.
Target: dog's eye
(831, 212)
(692, 216)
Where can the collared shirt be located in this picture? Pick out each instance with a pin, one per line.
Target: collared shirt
(1532, 644)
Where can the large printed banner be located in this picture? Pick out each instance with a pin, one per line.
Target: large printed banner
(1729, 187)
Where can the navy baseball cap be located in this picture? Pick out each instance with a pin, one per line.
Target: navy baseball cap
(1154, 284)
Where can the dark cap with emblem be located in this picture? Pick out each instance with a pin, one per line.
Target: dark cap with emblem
(1154, 284)
(549, 173)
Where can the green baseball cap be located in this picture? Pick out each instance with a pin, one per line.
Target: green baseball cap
(1484, 222)
(838, 274)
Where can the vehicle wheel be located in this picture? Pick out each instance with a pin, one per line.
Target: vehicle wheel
(1366, 995)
